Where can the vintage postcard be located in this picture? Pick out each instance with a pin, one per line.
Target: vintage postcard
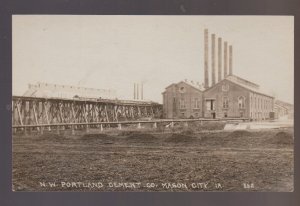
(153, 103)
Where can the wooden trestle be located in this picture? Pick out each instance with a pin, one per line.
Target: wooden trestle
(35, 111)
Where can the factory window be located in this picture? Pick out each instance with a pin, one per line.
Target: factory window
(196, 103)
(182, 104)
(174, 103)
(225, 102)
(241, 102)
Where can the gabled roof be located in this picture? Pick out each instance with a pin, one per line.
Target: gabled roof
(186, 83)
(48, 90)
(278, 105)
(283, 104)
(243, 82)
(250, 86)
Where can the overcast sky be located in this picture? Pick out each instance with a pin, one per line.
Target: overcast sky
(113, 52)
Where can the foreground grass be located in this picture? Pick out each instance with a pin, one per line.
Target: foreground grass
(178, 160)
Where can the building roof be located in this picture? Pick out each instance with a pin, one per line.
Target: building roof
(187, 83)
(280, 106)
(243, 83)
(49, 90)
(284, 104)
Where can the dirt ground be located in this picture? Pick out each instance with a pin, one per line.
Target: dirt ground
(177, 159)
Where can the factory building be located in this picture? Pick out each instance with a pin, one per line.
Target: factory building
(183, 100)
(47, 90)
(227, 96)
(236, 97)
(283, 110)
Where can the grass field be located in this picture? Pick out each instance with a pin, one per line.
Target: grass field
(155, 160)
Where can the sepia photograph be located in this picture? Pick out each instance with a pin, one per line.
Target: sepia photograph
(152, 103)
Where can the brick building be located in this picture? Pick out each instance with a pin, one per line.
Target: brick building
(283, 110)
(231, 97)
(183, 100)
(226, 96)
(236, 97)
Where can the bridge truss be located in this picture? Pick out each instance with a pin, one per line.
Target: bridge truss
(35, 111)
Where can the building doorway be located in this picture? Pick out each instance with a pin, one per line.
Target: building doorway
(210, 104)
(241, 114)
(213, 115)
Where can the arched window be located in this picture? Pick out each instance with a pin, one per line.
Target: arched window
(241, 102)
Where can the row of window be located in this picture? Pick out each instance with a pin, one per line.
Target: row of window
(257, 103)
(241, 102)
(210, 104)
(260, 103)
(259, 115)
(196, 104)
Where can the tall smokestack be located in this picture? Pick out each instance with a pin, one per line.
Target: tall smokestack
(137, 91)
(219, 59)
(225, 60)
(213, 69)
(230, 60)
(142, 91)
(134, 92)
(206, 83)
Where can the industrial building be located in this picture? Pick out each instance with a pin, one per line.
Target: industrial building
(283, 110)
(47, 90)
(226, 96)
(236, 97)
(183, 100)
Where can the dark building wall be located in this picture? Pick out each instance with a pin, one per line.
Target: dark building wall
(182, 101)
(169, 102)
